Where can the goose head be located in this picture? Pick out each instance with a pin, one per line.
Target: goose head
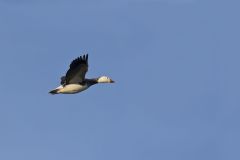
(104, 79)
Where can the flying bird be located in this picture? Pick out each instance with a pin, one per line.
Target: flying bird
(74, 81)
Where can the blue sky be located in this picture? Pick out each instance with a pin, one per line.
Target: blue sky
(176, 64)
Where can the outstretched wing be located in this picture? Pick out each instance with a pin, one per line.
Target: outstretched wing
(77, 71)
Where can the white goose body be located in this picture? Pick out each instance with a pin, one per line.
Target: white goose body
(74, 81)
(72, 88)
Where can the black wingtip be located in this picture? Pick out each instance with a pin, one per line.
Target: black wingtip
(84, 58)
(79, 60)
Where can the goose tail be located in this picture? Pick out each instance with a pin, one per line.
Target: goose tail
(55, 91)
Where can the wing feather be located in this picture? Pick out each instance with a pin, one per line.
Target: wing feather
(77, 71)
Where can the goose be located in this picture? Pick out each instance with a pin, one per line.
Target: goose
(74, 81)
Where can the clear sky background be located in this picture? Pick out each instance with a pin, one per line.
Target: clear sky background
(176, 67)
